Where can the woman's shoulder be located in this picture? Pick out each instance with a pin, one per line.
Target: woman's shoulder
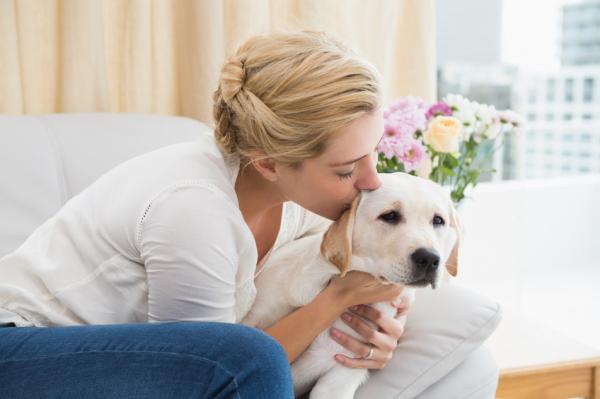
(197, 159)
(144, 178)
(194, 208)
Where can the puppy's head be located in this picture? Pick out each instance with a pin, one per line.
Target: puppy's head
(405, 231)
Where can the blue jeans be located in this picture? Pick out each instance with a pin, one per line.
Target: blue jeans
(164, 360)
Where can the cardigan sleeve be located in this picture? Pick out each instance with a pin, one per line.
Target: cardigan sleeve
(190, 241)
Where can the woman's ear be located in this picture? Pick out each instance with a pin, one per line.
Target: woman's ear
(265, 166)
(262, 163)
(336, 246)
(452, 263)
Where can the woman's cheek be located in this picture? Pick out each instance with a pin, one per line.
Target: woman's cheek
(345, 190)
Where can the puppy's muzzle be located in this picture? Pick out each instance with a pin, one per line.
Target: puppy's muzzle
(425, 266)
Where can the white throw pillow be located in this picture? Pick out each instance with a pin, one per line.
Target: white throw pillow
(444, 327)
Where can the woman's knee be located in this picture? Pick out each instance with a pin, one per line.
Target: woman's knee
(256, 360)
(231, 344)
(267, 370)
(258, 343)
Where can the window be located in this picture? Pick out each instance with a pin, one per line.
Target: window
(588, 90)
(532, 95)
(569, 84)
(549, 116)
(550, 87)
(585, 138)
(568, 117)
(587, 116)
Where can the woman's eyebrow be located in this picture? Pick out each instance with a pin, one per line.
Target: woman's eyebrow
(354, 160)
(347, 162)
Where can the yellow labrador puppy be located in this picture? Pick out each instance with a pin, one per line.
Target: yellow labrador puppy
(403, 232)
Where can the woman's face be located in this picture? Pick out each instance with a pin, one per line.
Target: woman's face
(327, 184)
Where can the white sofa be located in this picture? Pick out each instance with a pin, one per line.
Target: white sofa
(45, 160)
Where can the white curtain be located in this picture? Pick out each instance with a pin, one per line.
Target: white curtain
(164, 56)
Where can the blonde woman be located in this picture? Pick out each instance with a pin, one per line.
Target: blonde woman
(142, 276)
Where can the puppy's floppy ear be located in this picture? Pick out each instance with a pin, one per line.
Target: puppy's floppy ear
(336, 246)
(452, 263)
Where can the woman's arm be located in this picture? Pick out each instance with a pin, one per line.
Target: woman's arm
(296, 331)
(190, 241)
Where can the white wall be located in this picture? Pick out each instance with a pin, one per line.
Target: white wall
(534, 245)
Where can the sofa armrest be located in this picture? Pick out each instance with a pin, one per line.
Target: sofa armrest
(475, 378)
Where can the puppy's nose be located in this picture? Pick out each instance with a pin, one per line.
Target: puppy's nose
(426, 259)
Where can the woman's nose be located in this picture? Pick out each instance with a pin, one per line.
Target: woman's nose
(370, 179)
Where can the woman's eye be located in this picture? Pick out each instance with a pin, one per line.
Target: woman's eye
(343, 176)
(438, 221)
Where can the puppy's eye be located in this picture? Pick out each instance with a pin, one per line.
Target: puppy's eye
(391, 217)
(438, 221)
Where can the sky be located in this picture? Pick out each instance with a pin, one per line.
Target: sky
(530, 33)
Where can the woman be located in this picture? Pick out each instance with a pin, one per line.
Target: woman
(141, 275)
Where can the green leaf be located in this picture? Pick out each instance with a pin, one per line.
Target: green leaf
(447, 171)
(451, 162)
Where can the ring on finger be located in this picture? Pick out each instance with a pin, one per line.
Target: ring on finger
(370, 354)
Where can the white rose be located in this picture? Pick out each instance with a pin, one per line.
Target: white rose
(443, 134)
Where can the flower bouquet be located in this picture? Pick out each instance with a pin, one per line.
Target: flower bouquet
(445, 141)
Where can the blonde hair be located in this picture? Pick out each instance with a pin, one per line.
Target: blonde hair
(284, 95)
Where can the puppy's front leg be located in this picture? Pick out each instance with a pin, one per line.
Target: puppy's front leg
(302, 295)
(306, 283)
(340, 382)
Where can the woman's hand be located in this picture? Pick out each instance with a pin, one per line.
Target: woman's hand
(359, 287)
(383, 340)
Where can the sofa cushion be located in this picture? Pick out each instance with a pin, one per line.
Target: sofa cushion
(47, 159)
(30, 190)
(444, 327)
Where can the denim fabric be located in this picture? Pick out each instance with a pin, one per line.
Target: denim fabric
(166, 360)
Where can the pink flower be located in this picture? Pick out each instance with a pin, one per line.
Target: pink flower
(441, 108)
(392, 145)
(413, 155)
(386, 147)
(405, 116)
(407, 102)
(391, 128)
